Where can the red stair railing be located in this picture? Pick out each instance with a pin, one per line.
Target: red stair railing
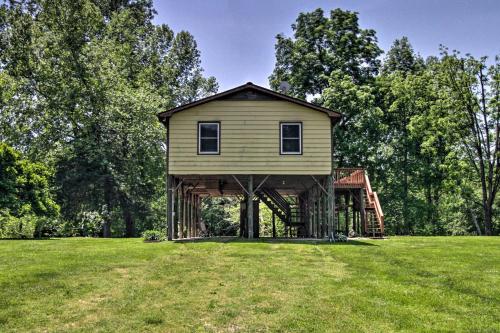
(374, 201)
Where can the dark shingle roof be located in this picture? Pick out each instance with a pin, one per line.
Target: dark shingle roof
(248, 87)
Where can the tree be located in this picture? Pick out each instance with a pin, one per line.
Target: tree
(89, 78)
(25, 185)
(356, 135)
(413, 170)
(471, 103)
(402, 58)
(427, 131)
(26, 198)
(320, 46)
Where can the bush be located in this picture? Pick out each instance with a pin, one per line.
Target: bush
(25, 185)
(47, 227)
(340, 238)
(90, 223)
(27, 204)
(17, 227)
(153, 235)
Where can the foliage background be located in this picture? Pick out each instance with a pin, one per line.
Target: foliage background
(82, 152)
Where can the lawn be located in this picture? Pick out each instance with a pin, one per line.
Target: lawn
(412, 284)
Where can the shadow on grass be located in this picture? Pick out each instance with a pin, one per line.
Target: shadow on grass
(270, 240)
(32, 239)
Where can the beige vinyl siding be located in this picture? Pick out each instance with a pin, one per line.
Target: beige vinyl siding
(250, 139)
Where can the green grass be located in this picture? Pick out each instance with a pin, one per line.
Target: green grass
(411, 284)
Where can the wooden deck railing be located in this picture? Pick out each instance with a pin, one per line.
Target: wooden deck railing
(349, 177)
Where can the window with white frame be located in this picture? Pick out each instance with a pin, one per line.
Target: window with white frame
(209, 138)
(291, 138)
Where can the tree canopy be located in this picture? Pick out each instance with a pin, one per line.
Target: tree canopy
(82, 82)
(322, 45)
(426, 130)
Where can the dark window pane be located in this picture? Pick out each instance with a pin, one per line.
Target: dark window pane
(291, 146)
(208, 130)
(208, 145)
(291, 131)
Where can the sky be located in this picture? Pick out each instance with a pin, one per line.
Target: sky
(236, 37)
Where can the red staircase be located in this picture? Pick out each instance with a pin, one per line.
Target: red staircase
(374, 222)
(351, 178)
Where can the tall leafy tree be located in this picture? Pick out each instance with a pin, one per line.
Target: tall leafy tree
(470, 91)
(440, 119)
(357, 134)
(88, 78)
(402, 58)
(401, 97)
(406, 168)
(322, 45)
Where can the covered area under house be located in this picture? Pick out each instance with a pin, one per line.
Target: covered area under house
(300, 202)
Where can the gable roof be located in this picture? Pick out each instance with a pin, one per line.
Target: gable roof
(249, 91)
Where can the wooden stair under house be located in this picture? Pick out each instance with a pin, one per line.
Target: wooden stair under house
(283, 208)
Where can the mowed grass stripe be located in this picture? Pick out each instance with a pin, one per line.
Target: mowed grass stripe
(412, 284)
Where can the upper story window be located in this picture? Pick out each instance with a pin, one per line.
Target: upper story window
(291, 138)
(209, 138)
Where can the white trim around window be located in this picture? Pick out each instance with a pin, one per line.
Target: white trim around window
(296, 140)
(210, 148)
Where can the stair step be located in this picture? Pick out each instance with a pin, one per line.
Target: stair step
(272, 199)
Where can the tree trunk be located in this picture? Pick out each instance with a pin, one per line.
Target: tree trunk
(127, 217)
(428, 195)
(474, 220)
(129, 223)
(488, 217)
(108, 199)
(406, 221)
(106, 229)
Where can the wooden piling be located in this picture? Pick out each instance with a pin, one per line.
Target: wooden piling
(191, 213)
(180, 206)
(185, 213)
(188, 214)
(331, 206)
(362, 211)
(250, 207)
(169, 208)
(346, 212)
(274, 225)
(195, 217)
(318, 215)
(173, 225)
(309, 215)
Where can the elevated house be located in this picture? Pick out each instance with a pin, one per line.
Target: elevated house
(262, 146)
